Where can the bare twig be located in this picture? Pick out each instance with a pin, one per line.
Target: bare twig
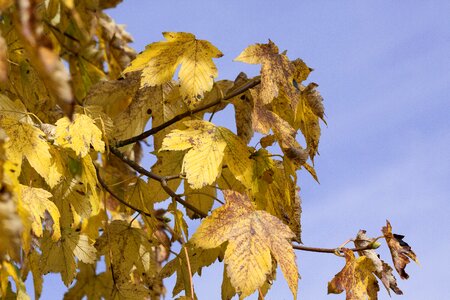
(235, 92)
(161, 179)
(106, 187)
(331, 250)
(188, 262)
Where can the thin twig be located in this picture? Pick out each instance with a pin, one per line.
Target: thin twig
(106, 187)
(189, 271)
(330, 250)
(161, 179)
(248, 85)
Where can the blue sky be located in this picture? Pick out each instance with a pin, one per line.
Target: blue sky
(383, 68)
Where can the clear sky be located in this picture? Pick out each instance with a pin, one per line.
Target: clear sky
(383, 68)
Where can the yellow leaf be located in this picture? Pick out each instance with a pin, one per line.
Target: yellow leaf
(203, 160)
(160, 60)
(130, 246)
(253, 237)
(60, 256)
(79, 135)
(27, 141)
(168, 163)
(36, 202)
(276, 71)
(10, 221)
(7, 269)
(356, 279)
(203, 199)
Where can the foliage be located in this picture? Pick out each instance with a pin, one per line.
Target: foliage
(75, 103)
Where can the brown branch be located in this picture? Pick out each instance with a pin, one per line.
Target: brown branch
(106, 187)
(243, 88)
(162, 179)
(331, 250)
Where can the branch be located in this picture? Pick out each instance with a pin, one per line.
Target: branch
(332, 250)
(106, 187)
(243, 88)
(162, 179)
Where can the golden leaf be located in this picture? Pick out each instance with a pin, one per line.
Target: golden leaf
(126, 248)
(60, 256)
(401, 252)
(169, 163)
(36, 202)
(160, 60)
(10, 221)
(356, 279)
(27, 141)
(253, 236)
(79, 135)
(203, 199)
(203, 160)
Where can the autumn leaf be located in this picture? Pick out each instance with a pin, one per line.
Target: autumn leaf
(203, 161)
(79, 135)
(355, 278)
(160, 60)
(253, 236)
(401, 252)
(25, 140)
(203, 199)
(126, 247)
(276, 71)
(382, 270)
(60, 256)
(36, 202)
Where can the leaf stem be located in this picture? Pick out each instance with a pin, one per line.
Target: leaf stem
(241, 89)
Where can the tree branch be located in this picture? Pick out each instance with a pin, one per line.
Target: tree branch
(331, 250)
(241, 89)
(162, 179)
(106, 187)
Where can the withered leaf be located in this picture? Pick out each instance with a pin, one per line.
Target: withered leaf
(401, 252)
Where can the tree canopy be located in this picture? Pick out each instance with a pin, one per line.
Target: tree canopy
(78, 105)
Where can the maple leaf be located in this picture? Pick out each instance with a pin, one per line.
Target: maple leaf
(60, 256)
(252, 236)
(382, 269)
(36, 202)
(79, 135)
(10, 222)
(203, 199)
(355, 278)
(27, 141)
(160, 60)
(125, 248)
(8, 269)
(203, 160)
(401, 252)
(276, 71)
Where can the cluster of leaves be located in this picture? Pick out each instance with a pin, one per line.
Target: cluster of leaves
(75, 101)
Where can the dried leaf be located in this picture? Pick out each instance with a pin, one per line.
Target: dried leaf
(356, 278)
(401, 252)
(276, 71)
(382, 269)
